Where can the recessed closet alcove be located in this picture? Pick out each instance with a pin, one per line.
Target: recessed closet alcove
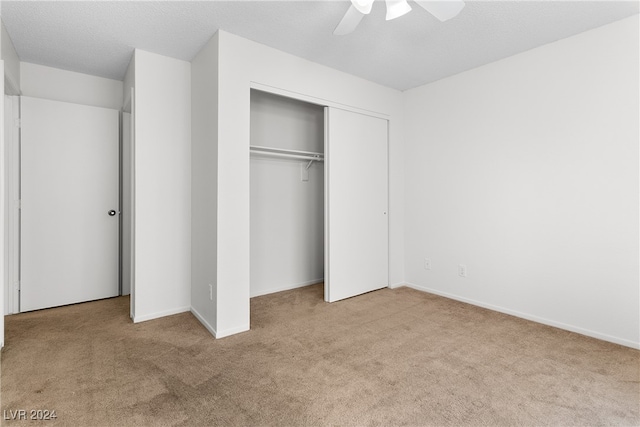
(287, 193)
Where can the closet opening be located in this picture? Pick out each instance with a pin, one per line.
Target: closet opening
(286, 194)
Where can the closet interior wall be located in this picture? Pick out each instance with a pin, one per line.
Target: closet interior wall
(287, 212)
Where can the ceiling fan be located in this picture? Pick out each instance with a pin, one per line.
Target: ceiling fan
(441, 9)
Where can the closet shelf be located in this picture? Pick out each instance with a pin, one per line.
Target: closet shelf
(286, 154)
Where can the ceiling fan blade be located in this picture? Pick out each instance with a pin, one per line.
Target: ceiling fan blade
(442, 9)
(349, 22)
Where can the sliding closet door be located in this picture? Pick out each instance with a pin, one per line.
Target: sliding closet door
(356, 205)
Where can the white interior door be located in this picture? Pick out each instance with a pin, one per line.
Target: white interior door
(356, 204)
(69, 201)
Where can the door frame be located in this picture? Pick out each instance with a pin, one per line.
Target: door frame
(128, 107)
(11, 132)
(3, 216)
(12, 176)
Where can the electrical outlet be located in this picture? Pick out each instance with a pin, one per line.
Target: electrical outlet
(210, 291)
(462, 270)
(427, 263)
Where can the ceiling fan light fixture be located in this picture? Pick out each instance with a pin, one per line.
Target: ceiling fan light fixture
(397, 8)
(363, 6)
(442, 10)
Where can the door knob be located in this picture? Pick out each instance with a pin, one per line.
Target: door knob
(112, 213)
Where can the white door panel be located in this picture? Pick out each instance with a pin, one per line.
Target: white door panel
(356, 205)
(69, 183)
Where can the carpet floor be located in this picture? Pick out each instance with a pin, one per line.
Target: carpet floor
(386, 358)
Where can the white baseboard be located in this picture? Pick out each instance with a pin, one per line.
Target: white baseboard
(533, 318)
(286, 288)
(157, 315)
(231, 331)
(206, 324)
(397, 285)
(212, 330)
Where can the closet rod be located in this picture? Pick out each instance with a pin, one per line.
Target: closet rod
(262, 149)
(288, 156)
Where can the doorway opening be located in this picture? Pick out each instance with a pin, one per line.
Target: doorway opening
(64, 187)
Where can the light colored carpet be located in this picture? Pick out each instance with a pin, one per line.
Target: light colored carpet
(391, 357)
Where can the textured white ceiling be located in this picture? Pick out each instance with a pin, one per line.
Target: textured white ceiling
(98, 38)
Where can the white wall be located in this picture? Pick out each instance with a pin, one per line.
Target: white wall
(204, 188)
(39, 81)
(128, 84)
(162, 186)
(243, 63)
(287, 214)
(11, 64)
(526, 170)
